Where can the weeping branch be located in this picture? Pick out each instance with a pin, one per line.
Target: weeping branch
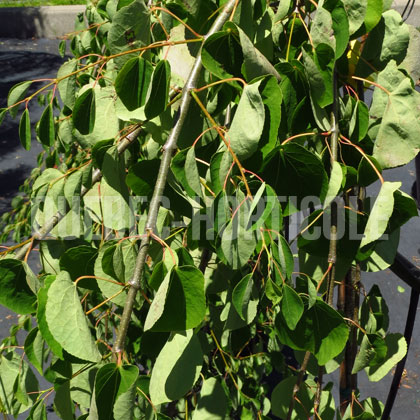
(53, 222)
(136, 282)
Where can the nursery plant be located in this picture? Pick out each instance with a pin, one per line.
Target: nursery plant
(201, 216)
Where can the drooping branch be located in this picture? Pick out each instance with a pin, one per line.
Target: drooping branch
(53, 222)
(168, 150)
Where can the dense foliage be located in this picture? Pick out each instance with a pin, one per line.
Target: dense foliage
(173, 164)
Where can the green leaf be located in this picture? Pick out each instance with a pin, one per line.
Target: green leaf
(67, 85)
(319, 71)
(222, 55)
(340, 25)
(334, 186)
(107, 288)
(113, 170)
(394, 123)
(46, 129)
(282, 10)
(17, 94)
(262, 207)
(273, 292)
(291, 306)
(322, 29)
(126, 397)
(245, 299)
(220, 165)
(380, 213)
(242, 136)
(237, 243)
(103, 118)
(255, 62)
(25, 130)
(283, 393)
(411, 62)
(34, 349)
(107, 382)
(272, 98)
(179, 303)
(373, 14)
(84, 112)
(294, 171)
(79, 261)
(356, 11)
(192, 178)
(321, 330)
(42, 321)
(177, 368)
(283, 256)
(405, 208)
(397, 349)
(15, 292)
(67, 321)
(130, 30)
(212, 403)
(366, 353)
(366, 175)
(133, 82)
(38, 411)
(159, 91)
(359, 122)
(63, 404)
(393, 35)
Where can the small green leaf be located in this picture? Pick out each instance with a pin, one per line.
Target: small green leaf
(396, 350)
(291, 306)
(322, 28)
(319, 71)
(320, 330)
(17, 94)
(356, 11)
(159, 92)
(179, 303)
(107, 382)
(366, 175)
(15, 292)
(282, 10)
(191, 173)
(282, 395)
(359, 122)
(245, 299)
(244, 137)
(62, 48)
(130, 29)
(222, 55)
(334, 186)
(63, 404)
(25, 130)
(84, 112)
(273, 292)
(46, 129)
(42, 321)
(133, 82)
(67, 86)
(380, 213)
(79, 261)
(67, 320)
(34, 349)
(212, 403)
(177, 368)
